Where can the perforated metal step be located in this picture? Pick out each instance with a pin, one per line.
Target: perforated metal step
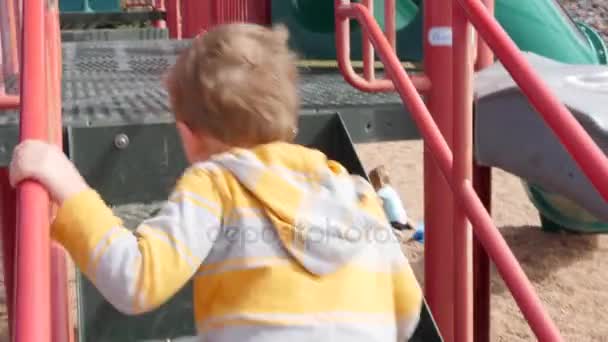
(120, 82)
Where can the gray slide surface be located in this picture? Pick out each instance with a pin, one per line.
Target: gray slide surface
(511, 135)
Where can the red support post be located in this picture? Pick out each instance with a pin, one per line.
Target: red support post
(462, 83)
(174, 18)
(390, 22)
(438, 204)
(32, 276)
(482, 182)
(367, 49)
(62, 325)
(159, 6)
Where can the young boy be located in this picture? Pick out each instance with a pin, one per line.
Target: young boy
(393, 207)
(281, 243)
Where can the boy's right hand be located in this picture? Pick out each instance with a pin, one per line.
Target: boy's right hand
(47, 164)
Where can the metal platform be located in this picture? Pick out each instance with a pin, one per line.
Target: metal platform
(110, 83)
(140, 33)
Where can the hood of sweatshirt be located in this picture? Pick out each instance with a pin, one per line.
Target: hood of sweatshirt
(313, 203)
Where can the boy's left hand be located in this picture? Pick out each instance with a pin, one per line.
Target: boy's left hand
(47, 164)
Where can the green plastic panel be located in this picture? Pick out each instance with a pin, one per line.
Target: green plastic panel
(89, 5)
(596, 41)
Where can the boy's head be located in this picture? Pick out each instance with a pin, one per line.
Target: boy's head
(236, 85)
(379, 177)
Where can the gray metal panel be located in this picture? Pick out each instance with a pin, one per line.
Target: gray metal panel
(511, 135)
(143, 33)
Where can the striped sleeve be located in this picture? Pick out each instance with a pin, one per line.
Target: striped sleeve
(139, 271)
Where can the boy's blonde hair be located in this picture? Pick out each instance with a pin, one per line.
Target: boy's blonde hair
(238, 83)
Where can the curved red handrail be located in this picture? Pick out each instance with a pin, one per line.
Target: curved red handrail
(368, 83)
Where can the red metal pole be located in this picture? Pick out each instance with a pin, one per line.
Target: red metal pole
(10, 27)
(159, 6)
(9, 102)
(174, 20)
(590, 158)
(462, 170)
(367, 49)
(32, 282)
(506, 264)
(485, 56)
(8, 222)
(390, 29)
(438, 205)
(62, 325)
(482, 182)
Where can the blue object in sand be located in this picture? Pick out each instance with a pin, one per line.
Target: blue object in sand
(419, 234)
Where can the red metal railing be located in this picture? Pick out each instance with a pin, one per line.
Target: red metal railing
(198, 16)
(8, 101)
(32, 253)
(62, 321)
(35, 272)
(174, 18)
(589, 157)
(9, 60)
(369, 83)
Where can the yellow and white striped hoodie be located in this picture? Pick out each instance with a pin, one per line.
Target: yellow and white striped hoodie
(281, 243)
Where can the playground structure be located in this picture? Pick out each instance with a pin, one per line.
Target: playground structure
(447, 86)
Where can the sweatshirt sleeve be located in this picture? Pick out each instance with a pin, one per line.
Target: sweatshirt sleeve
(137, 271)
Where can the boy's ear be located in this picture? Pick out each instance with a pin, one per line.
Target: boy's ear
(183, 129)
(188, 138)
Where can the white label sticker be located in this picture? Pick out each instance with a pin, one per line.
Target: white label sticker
(440, 36)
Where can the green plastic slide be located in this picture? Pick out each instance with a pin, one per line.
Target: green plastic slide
(539, 26)
(318, 16)
(544, 28)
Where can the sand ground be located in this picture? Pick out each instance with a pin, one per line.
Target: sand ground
(565, 269)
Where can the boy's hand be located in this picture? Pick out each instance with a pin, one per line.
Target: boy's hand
(46, 164)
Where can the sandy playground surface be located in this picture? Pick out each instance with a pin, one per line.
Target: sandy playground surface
(566, 270)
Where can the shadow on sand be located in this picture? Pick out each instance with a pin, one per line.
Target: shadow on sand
(541, 254)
